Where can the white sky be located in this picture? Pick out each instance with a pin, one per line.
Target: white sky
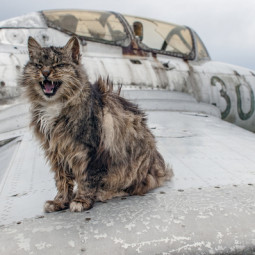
(227, 27)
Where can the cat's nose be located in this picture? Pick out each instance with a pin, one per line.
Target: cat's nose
(46, 72)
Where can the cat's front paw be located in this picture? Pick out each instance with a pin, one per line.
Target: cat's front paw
(55, 205)
(81, 205)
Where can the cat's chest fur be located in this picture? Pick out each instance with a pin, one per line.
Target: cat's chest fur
(47, 116)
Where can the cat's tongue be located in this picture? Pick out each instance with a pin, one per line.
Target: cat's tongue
(48, 87)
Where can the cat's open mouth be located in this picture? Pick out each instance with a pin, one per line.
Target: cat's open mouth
(50, 87)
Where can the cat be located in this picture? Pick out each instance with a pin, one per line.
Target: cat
(91, 136)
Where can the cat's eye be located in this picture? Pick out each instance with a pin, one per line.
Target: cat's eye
(60, 65)
(39, 66)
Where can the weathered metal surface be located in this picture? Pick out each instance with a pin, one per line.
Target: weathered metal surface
(163, 222)
(169, 101)
(30, 20)
(13, 120)
(208, 207)
(230, 88)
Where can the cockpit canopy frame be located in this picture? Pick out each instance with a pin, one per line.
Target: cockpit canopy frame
(120, 30)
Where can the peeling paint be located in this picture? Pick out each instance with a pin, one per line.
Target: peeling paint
(71, 243)
(100, 236)
(46, 229)
(42, 245)
(22, 242)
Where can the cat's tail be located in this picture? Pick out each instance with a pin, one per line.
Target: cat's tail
(158, 173)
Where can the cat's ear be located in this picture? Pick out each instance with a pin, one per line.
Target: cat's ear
(33, 47)
(73, 49)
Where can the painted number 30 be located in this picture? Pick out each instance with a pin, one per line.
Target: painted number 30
(223, 92)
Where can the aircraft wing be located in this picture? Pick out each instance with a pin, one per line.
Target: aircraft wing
(207, 208)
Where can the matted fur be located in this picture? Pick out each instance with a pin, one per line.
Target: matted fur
(90, 134)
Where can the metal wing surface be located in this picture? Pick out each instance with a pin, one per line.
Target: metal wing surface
(207, 208)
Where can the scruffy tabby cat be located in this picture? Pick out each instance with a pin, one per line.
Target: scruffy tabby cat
(90, 134)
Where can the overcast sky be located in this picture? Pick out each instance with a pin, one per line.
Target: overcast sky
(227, 27)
